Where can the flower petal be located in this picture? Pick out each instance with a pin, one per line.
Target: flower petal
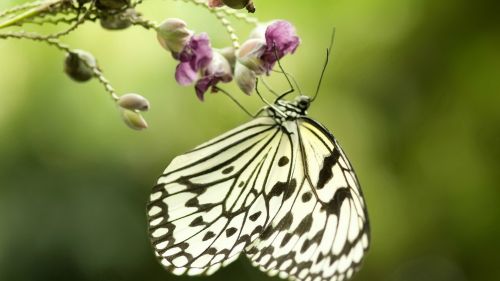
(282, 35)
(203, 84)
(245, 78)
(184, 74)
(201, 51)
(281, 39)
(215, 3)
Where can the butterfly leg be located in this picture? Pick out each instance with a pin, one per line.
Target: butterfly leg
(281, 113)
(269, 87)
(235, 101)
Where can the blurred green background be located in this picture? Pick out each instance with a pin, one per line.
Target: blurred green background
(412, 93)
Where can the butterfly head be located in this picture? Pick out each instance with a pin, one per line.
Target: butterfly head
(291, 109)
(302, 102)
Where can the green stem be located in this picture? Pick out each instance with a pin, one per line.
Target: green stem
(28, 14)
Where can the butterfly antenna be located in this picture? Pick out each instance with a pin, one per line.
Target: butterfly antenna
(293, 80)
(234, 100)
(328, 52)
(284, 73)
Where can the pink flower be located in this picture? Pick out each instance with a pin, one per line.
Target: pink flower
(173, 35)
(215, 3)
(281, 39)
(267, 44)
(217, 71)
(195, 56)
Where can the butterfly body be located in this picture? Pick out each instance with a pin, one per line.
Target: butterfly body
(278, 188)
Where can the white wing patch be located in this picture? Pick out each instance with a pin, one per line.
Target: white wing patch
(323, 232)
(213, 201)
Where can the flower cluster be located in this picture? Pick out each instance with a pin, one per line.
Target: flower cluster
(267, 44)
(199, 63)
(205, 66)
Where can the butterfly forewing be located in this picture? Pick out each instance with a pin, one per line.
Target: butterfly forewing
(322, 233)
(213, 201)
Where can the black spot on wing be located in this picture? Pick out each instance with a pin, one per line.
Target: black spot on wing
(286, 238)
(326, 174)
(231, 231)
(208, 235)
(283, 224)
(283, 161)
(333, 207)
(228, 170)
(193, 202)
(211, 251)
(320, 257)
(291, 188)
(252, 251)
(305, 245)
(255, 216)
(278, 188)
(192, 187)
(306, 196)
(197, 221)
(286, 221)
(305, 225)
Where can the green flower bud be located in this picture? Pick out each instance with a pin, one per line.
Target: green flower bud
(79, 65)
(133, 101)
(112, 4)
(250, 53)
(229, 54)
(117, 21)
(133, 119)
(173, 34)
(236, 4)
(245, 78)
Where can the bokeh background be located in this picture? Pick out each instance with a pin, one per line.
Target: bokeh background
(412, 93)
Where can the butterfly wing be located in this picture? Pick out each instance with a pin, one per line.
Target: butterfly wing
(212, 202)
(323, 231)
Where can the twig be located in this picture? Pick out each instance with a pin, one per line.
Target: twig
(43, 7)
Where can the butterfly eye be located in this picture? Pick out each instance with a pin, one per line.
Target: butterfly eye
(303, 104)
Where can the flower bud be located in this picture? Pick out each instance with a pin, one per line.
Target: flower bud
(250, 53)
(173, 34)
(133, 101)
(117, 21)
(215, 3)
(250, 7)
(218, 70)
(236, 4)
(133, 119)
(229, 54)
(112, 4)
(259, 31)
(245, 78)
(79, 65)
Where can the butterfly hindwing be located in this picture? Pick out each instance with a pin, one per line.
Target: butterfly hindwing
(322, 232)
(213, 201)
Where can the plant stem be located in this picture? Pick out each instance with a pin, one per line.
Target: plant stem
(30, 13)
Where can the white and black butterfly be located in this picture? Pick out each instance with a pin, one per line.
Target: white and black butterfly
(278, 189)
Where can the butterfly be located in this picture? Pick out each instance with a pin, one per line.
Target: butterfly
(278, 189)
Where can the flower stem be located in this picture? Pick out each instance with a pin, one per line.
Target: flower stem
(29, 13)
(19, 8)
